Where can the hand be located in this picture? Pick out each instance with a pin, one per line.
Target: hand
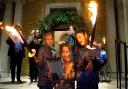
(35, 58)
(90, 66)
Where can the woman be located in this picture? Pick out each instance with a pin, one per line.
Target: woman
(67, 80)
(16, 53)
(44, 55)
(87, 65)
(34, 43)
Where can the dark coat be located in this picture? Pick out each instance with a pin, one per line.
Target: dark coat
(12, 52)
(44, 55)
(88, 79)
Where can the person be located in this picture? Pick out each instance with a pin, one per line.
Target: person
(102, 54)
(71, 39)
(34, 43)
(67, 80)
(44, 55)
(87, 63)
(16, 53)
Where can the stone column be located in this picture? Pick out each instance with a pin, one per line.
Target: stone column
(125, 2)
(111, 34)
(4, 59)
(18, 12)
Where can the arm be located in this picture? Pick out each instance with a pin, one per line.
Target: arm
(97, 65)
(40, 57)
(9, 42)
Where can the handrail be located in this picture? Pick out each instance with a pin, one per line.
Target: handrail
(118, 60)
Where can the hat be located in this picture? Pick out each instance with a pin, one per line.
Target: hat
(37, 30)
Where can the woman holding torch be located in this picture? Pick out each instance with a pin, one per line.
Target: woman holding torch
(16, 53)
(86, 63)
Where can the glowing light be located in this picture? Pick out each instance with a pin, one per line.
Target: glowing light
(75, 84)
(104, 40)
(1, 23)
(90, 37)
(93, 10)
(13, 33)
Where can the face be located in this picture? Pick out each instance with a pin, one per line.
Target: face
(37, 34)
(81, 39)
(49, 40)
(90, 55)
(71, 30)
(65, 54)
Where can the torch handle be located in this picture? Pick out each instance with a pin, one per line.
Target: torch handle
(93, 35)
(25, 42)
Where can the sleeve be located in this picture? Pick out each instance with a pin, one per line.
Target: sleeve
(9, 42)
(97, 65)
(30, 39)
(40, 57)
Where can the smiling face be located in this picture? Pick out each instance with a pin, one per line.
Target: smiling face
(71, 30)
(65, 54)
(82, 39)
(48, 39)
(37, 33)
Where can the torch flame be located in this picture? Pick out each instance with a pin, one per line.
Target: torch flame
(90, 37)
(104, 40)
(13, 33)
(1, 23)
(93, 9)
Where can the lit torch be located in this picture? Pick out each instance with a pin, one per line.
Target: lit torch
(104, 40)
(15, 35)
(93, 10)
(11, 31)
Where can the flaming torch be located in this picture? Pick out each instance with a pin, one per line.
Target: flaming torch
(15, 35)
(93, 10)
(11, 32)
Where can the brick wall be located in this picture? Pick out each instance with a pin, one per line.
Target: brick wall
(34, 10)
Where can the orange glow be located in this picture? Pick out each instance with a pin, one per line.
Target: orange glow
(93, 10)
(1, 23)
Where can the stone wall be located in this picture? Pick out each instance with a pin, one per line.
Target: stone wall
(34, 10)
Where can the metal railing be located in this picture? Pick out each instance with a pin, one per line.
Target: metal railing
(118, 45)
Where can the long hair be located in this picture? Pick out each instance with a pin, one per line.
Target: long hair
(85, 35)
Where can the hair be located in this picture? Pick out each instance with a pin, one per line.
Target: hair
(74, 27)
(82, 32)
(47, 34)
(65, 45)
(36, 32)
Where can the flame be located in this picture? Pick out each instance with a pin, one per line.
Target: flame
(75, 84)
(1, 23)
(13, 33)
(104, 40)
(90, 37)
(93, 9)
